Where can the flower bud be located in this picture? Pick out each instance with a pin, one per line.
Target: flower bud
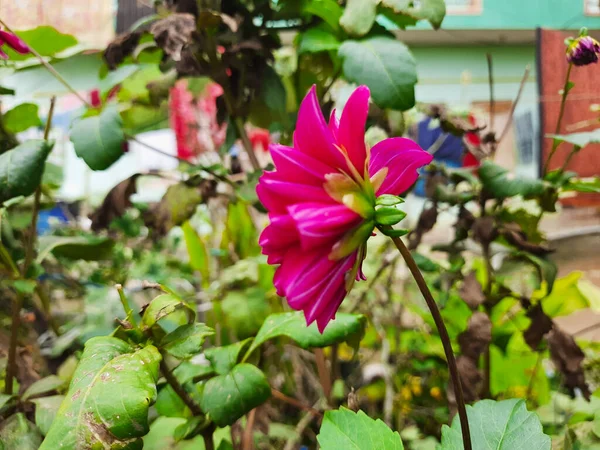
(583, 51)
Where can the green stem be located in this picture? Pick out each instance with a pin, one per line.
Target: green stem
(124, 302)
(568, 160)
(561, 113)
(446, 343)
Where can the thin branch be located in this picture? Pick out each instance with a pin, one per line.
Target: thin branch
(561, 112)
(324, 375)
(302, 425)
(491, 82)
(515, 103)
(247, 439)
(294, 402)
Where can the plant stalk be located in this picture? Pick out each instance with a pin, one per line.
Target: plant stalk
(561, 113)
(439, 323)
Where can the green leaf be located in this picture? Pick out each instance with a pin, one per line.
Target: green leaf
(501, 184)
(505, 425)
(91, 416)
(46, 409)
(433, 11)
(580, 140)
(388, 200)
(349, 430)
(386, 66)
(547, 270)
(186, 340)
(318, 39)
(359, 16)
(46, 40)
(425, 264)
(170, 311)
(99, 140)
(161, 436)
(345, 328)
(273, 93)
(18, 433)
(328, 10)
(22, 168)
(43, 386)
(88, 248)
(388, 215)
(223, 359)
(583, 185)
(21, 118)
(228, 397)
(6, 401)
(199, 258)
(245, 311)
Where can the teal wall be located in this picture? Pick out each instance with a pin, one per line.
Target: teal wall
(523, 15)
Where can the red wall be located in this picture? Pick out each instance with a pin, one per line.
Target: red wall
(552, 70)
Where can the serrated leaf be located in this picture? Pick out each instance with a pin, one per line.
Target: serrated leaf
(345, 327)
(46, 409)
(90, 417)
(170, 311)
(21, 118)
(498, 182)
(22, 168)
(186, 340)
(316, 40)
(46, 40)
(505, 425)
(18, 433)
(386, 66)
(88, 248)
(43, 386)
(359, 16)
(346, 429)
(223, 359)
(226, 398)
(99, 140)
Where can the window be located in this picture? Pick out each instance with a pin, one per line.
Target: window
(592, 7)
(462, 7)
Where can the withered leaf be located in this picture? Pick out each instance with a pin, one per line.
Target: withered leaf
(471, 291)
(514, 235)
(477, 337)
(568, 357)
(451, 123)
(470, 378)
(120, 48)
(484, 230)
(173, 33)
(432, 181)
(115, 204)
(540, 325)
(426, 222)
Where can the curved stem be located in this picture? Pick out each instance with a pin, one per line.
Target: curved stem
(439, 323)
(561, 113)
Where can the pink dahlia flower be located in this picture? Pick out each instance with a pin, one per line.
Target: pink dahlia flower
(321, 202)
(14, 42)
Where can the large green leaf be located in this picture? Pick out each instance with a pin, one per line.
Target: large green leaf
(501, 184)
(345, 327)
(359, 16)
(228, 397)
(316, 40)
(186, 340)
(21, 118)
(168, 311)
(47, 41)
(98, 140)
(505, 425)
(88, 248)
(578, 139)
(108, 400)
(18, 433)
(386, 66)
(349, 430)
(22, 168)
(433, 11)
(223, 359)
(328, 10)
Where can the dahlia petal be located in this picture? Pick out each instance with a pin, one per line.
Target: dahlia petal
(322, 224)
(328, 314)
(402, 157)
(3, 54)
(312, 135)
(278, 237)
(298, 166)
(351, 133)
(334, 124)
(14, 42)
(276, 195)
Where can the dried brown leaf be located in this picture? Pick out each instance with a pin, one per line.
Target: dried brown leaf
(477, 337)
(484, 230)
(120, 48)
(471, 291)
(115, 203)
(540, 325)
(568, 357)
(514, 235)
(173, 33)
